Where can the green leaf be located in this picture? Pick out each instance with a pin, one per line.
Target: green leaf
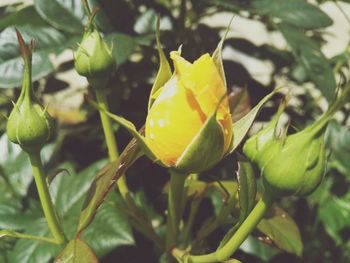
(103, 183)
(338, 141)
(123, 46)
(242, 126)
(255, 247)
(68, 194)
(24, 16)
(310, 56)
(48, 40)
(205, 149)
(110, 224)
(299, 13)
(282, 230)
(66, 15)
(164, 71)
(77, 251)
(333, 211)
(246, 187)
(15, 167)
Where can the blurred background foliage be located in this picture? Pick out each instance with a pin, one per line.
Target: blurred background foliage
(301, 45)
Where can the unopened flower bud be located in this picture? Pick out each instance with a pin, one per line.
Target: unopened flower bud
(189, 126)
(289, 165)
(93, 58)
(29, 124)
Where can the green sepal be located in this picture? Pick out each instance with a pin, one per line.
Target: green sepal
(130, 127)
(217, 57)
(164, 71)
(205, 150)
(241, 127)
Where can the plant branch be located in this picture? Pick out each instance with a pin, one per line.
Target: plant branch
(175, 207)
(98, 86)
(45, 198)
(235, 241)
(8, 233)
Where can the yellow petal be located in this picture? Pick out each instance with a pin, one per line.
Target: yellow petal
(172, 122)
(202, 78)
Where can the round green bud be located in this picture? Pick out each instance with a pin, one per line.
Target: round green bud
(93, 58)
(294, 165)
(29, 125)
(289, 165)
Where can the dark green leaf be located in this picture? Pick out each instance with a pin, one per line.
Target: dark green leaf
(282, 230)
(77, 251)
(299, 13)
(67, 15)
(103, 183)
(310, 56)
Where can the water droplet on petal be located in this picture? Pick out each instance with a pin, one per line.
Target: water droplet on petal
(161, 123)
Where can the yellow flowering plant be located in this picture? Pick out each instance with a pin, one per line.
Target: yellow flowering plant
(189, 126)
(188, 129)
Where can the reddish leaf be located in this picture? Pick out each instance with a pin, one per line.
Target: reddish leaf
(104, 182)
(239, 102)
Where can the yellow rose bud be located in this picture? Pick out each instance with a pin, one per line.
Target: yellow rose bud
(183, 106)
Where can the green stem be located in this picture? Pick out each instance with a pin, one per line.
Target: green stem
(14, 234)
(237, 239)
(108, 131)
(175, 207)
(143, 225)
(45, 198)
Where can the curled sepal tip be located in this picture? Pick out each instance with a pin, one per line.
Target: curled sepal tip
(29, 123)
(164, 71)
